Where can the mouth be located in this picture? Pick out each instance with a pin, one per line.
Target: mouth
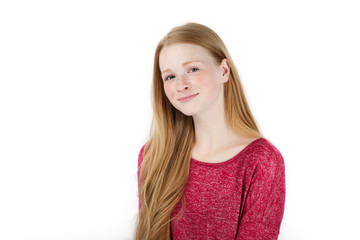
(187, 98)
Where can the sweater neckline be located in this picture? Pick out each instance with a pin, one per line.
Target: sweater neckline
(228, 160)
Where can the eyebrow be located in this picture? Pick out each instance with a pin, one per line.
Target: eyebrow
(184, 64)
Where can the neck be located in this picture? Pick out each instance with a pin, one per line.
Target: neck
(212, 131)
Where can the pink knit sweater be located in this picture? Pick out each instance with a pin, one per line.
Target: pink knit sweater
(241, 198)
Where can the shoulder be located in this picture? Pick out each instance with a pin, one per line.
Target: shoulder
(141, 155)
(140, 160)
(264, 154)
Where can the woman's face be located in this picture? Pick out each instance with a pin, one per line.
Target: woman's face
(193, 80)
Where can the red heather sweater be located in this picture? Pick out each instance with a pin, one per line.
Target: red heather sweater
(241, 198)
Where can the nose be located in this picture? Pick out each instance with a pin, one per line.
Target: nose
(182, 83)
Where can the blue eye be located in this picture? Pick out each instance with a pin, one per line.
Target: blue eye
(169, 77)
(194, 70)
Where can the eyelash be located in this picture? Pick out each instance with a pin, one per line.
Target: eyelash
(172, 76)
(167, 78)
(193, 69)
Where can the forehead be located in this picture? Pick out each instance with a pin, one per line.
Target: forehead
(176, 54)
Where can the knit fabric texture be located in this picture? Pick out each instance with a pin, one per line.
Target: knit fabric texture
(241, 198)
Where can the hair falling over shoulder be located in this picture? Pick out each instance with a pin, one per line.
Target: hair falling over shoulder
(166, 158)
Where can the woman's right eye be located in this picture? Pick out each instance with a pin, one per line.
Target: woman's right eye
(169, 77)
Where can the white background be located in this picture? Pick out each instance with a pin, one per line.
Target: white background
(75, 108)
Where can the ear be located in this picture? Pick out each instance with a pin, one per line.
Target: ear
(225, 69)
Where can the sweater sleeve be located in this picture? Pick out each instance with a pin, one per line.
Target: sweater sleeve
(264, 204)
(140, 159)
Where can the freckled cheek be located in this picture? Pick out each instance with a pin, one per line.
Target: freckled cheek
(200, 80)
(206, 82)
(168, 91)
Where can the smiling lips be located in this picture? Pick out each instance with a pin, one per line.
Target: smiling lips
(187, 98)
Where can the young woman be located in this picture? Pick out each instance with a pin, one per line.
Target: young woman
(206, 172)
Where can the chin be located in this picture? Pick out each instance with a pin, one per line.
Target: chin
(187, 112)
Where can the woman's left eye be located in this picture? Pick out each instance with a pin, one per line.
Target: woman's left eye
(193, 70)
